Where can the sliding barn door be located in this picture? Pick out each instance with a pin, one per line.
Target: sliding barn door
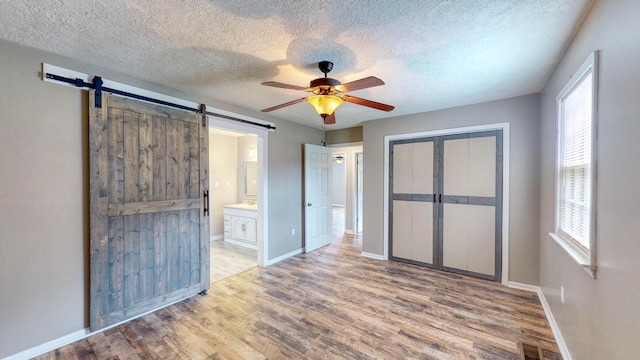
(445, 205)
(149, 235)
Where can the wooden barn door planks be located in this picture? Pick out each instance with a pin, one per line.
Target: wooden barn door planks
(149, 234)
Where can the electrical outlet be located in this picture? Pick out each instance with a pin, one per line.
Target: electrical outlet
(562, 294)
(293, 231)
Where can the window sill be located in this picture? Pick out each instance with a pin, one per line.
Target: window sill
(580, 259)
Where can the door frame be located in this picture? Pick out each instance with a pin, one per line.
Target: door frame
(505, 183)
(359, 177)
(262, 235)
(350, 211)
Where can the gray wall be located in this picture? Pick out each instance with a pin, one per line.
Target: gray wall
(600, 318)
(344, 136)
(523, 115)
(285, 185)
(43, 211)
(44, 191)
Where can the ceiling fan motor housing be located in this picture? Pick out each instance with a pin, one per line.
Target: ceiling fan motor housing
(324, 86)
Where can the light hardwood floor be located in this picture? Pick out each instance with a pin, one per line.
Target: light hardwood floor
(333, 304)
(229, 259)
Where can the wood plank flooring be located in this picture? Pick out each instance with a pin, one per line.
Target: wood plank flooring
(333, 304)
(229, 259)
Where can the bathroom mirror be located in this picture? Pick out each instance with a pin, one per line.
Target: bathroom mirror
(250, 178)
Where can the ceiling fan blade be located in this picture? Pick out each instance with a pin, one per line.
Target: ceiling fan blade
(283, 85)
(367, 82)
(331, 119)
(284, 105)
(365, 102)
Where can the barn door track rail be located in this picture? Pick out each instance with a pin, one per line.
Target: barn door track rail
(97, 82)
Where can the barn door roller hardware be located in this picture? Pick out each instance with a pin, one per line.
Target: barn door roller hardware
(97, 82)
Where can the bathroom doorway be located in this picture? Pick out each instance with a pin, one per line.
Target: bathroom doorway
(236, 167)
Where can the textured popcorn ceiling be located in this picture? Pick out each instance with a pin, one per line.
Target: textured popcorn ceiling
(431, 54)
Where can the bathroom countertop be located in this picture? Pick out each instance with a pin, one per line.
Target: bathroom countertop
(243, 206)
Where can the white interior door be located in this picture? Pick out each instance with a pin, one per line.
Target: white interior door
(317, 196)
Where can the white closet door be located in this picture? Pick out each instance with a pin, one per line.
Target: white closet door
(468, 211)
(412, 204)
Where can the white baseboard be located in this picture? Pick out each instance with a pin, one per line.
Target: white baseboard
(73, 337)
(337, 205)
(522, 286)
(217, 237)
(240, 243)
(49, 346)
(350, 232)
(285, 256)
(372, 256)
(562, 346)
(564, 350)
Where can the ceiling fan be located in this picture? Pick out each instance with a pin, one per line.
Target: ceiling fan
(328, 93)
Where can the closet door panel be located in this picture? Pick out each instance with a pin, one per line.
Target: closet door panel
(482, 166)
(403, 168)
(402, 229)
(413, 231)
(455, 234)
(422, 179)
(481, 245)
(422, 232)
(456, 167)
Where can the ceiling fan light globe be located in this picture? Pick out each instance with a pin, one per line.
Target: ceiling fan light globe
(325, 105)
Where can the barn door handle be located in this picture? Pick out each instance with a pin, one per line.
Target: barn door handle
(206, 203)
(440, 198)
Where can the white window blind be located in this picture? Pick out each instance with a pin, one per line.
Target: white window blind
(574, 208)
(575, 229)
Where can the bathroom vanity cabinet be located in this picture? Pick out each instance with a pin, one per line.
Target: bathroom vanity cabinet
(240, 222)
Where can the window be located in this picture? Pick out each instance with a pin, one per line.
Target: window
(575, 194)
